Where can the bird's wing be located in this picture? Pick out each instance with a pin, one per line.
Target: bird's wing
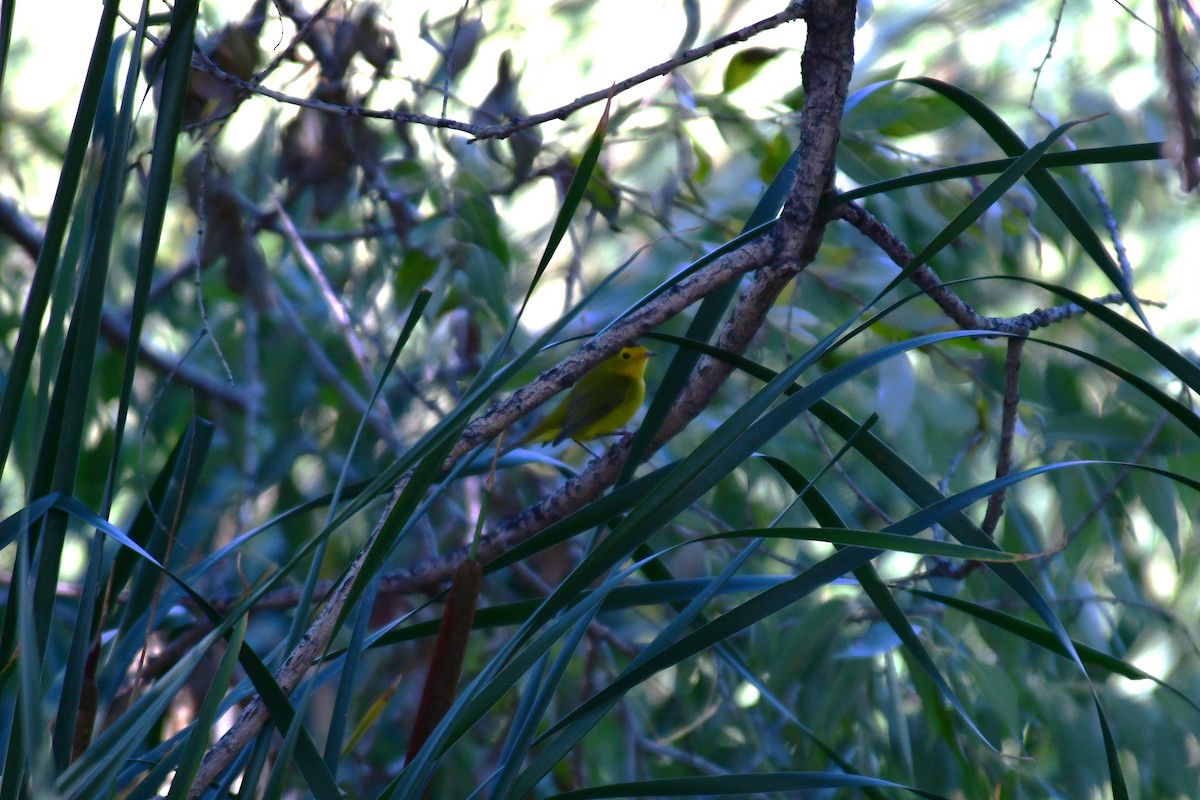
(589, 406)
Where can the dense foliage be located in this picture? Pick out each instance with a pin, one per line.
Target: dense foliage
(276, 279)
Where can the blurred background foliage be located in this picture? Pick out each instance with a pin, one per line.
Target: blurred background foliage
(296, 240)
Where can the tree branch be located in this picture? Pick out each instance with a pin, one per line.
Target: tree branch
(794, 11)
(1008, 428)
(954, 307)
(827, 64)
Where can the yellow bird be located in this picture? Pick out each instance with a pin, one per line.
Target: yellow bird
(600, 403)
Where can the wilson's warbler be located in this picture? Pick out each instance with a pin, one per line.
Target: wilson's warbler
(600, 403)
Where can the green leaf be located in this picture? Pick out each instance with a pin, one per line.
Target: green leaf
(745, 65)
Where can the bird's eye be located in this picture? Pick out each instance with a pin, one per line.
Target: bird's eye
(625, 356)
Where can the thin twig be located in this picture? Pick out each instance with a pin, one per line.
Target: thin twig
(840, 471)
(957, 309)
(250, 455)
(1008, 427)
(201, 221)
(793, 12)
(172, 277)
(299, 38)
(458, 19)
(1102, 203)
(337, 310)
(1037, 72)
(202, 62)
(1124, 472)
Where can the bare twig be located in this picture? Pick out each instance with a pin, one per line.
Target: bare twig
(839, 470)
(299, 38)
(458, 23)
(1037, 72)
(1102, 203)
(1008, 426)
(341, 317)
(681, 757)
(201, 222)
(172, 277)
(202, 62)
(796, 10)
(954, 307)
(1124, 472)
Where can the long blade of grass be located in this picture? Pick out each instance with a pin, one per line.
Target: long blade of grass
(569, 735)
(1045, 639)
(60, 217)
(170, 496)
(7, 9)
(878, 540)
(571, 200)
(1022, 167)
(1114, 154)
(177, 56)
(680, 590)
(1042, 182)
(33, 773)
